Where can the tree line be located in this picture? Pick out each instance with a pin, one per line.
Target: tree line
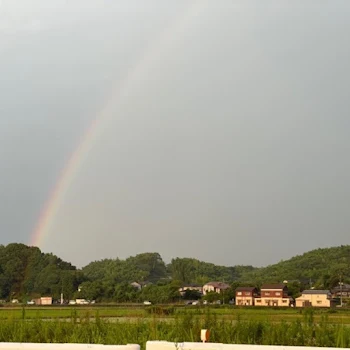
(27, 273)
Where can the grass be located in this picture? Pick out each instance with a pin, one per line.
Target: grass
(334, 316)
(66, 312)
(225, 312)
(87, 326)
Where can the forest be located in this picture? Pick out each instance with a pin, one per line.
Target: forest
(27, 273)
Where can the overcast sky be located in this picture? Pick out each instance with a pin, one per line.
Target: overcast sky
(223, 126)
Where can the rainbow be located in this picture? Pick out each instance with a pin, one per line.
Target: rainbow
(119, 93)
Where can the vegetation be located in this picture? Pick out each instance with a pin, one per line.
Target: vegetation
(26, 273)
(189, 270)
(321, 268)
(134, 312)
(183, 327)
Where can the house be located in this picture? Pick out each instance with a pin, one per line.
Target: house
(274, 295)
(315, 298)
(216, 287)
(139, 285)
(246, 295)
(341, 290)
(191, 286)
(43, 301)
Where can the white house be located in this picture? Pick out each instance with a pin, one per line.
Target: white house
(217, 287)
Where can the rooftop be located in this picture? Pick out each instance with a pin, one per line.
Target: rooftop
(273, 286)
(315, 291)
(245, 289)
(345, 287)
(220, 285)
(192, 285)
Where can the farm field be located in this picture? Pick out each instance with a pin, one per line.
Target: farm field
(333, 316)
(123, 325)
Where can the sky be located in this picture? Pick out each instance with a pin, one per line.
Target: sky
(209, 129)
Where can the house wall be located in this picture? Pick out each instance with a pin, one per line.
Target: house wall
(273, 293)
(244, 293)
(271, 301)
(302, 303)
(245, 300)
(209, 288)
(45, 301)
(316, 300)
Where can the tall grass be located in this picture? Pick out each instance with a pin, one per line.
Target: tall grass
(83, 328)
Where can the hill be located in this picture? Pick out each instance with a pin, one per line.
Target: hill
(322, 267)
(27, 272)
(190, 270)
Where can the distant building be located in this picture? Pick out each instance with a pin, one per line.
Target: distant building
(191, 286)
(315, 298)
(216, 287)
(274, 295)
(246, 296)
(43, 301)
(343, 290)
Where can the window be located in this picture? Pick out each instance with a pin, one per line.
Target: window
(267, 293)
(319, 302)
(239, 293)
(247, 293)
(278, 293)
(284, 301)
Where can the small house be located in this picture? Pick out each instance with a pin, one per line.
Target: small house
(216, 287)
(246, 296)
(315, 298)
(275, 294)
(191, 287)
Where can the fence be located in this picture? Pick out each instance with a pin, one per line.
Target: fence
(152, 345)
(163, 345)
(53, 346)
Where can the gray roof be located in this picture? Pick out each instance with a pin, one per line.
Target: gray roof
(191, 285)
(220, 285)
(345, 287)
(315, 291)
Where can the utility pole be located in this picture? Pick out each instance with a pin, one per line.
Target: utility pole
(223, 291)
(61, 289)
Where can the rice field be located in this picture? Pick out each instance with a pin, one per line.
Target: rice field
(138, 325)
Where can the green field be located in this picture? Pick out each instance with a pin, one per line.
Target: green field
(122, 325)
(335, 316)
